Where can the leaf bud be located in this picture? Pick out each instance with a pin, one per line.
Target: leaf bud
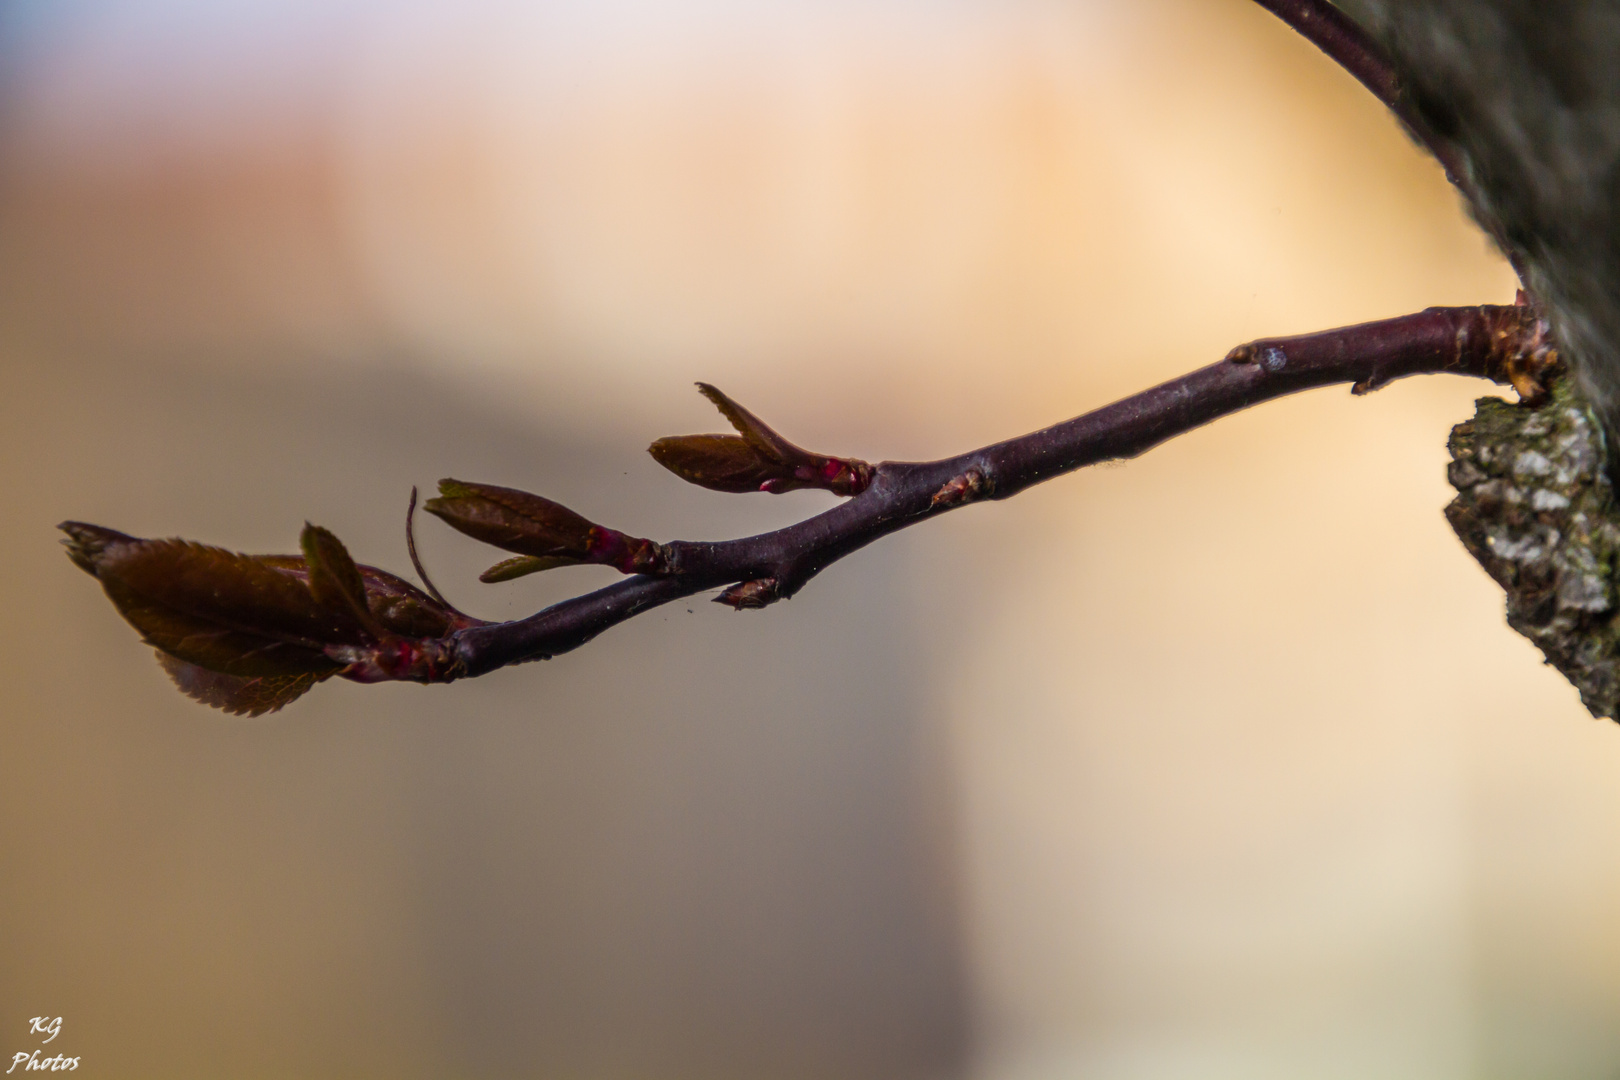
(755, 459)
(543, 533)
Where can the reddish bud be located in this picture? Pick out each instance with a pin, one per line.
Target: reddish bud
(965, 488)
(718, 462)
(755, 459)
(545, 533)
(745, 595)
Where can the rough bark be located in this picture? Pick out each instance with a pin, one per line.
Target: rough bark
(1535, 506)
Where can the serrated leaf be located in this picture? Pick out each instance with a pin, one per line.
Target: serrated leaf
(225, 612)
(236, 694)
(718, 462)
(513, 520)
(247, 633)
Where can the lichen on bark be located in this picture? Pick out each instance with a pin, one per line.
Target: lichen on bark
(1535, 506)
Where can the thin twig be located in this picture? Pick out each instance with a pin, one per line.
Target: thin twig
(416, 560)
(1505, 344)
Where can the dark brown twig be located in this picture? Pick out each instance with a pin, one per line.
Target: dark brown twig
(390, 631)
(250, 633)
(1505, 344)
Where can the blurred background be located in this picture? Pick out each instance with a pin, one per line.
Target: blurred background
(1218, 764)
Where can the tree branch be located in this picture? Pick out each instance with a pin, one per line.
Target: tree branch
(1505, 344)
(1359, 53)
(250, 633)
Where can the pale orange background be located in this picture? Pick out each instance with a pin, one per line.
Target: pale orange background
(1218, 764)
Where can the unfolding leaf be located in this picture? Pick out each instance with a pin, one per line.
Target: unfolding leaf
(405, 610)
(756, 459)
(223, 611)
(233, 693)
(398, 605)
(530, 525)
(759, 434)
(254, 619)
(513, 520)
(334, 579)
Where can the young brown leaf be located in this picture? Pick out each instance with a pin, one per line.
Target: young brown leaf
(247, 633)
(233, 693)
(759, 434)
(757, 459)
(334, 579)
(398, 605)
(537, 527)
(510, 519)
(214, 608)
(407, 611)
